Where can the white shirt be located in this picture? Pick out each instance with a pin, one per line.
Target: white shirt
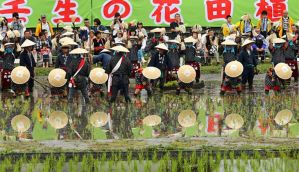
(45, 26)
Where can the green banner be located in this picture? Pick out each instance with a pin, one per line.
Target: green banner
(151, 12)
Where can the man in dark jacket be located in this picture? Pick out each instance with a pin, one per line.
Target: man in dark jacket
(119, 70)
(77, 74)
(64, 58)
(27, 60)
(249, 62)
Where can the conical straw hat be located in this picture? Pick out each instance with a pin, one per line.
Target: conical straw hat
(234, 121)
(69, 42)
(161, 46)
(79, 51)
(20, 75)
(9, 43)
(68, 28)
(187, 118)
(58, 119)
(246, 42)
(283, 117)
(120, 48)
(173, 41)
(151, 73)
(190, 39)
(186, 74)
(283, 71)
(67, 33)
(98, 76)
(229, 42)
(66, 39)
(234, 69)
(105, 51)
(156, 30)
(152, 120)
(278, 41)
(27, 43)
(98, 119)
(20, 123)
(57, 77)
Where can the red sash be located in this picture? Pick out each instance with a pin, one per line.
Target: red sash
(80, 66)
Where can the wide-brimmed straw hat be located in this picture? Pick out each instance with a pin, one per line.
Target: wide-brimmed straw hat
(196, 28)
(151, 120)
(68, 28)
(186, 74)
(283, 71)
(173, 41)
(190, 39)
(66, 39)
(283, 117)
(120, 48)
(20, 75)
(79, 51)
(56, 77)
(161, 46)
(151, 73)
(246, 42)
(67, 33)
(98, 76)
(98, 119)
(133, 37)
(20, 123)
(105, 51)
(187, 118)
(234, 69)
(58, 119)
(9, 43)
(278, 41)
(27, 43)
(229, 42)
(234, 121)
(156, 30)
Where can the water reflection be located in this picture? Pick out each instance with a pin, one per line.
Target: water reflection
(260, 115)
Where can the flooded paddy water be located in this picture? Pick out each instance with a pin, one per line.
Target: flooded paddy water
(199, 117)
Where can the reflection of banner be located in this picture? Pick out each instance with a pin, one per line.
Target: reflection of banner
(150, 12)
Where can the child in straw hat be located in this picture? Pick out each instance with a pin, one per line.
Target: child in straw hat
(141, 83)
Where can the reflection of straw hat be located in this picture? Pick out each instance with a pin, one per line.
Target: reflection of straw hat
(27, 43)
(229, 42)
(98, 76)
(120, 48)
(234, 69)
(152, 120)
(283, 71)
(58, 119)
(186, 74)
(20, 123)
(156, 30)
(66, 39)
(17, 33)
(278, 41)
(283, 117)
(187, 118)
(234, 121)
(98, 119)
(79, 51)
(246, 42)
(161, 46)
(173, 41)
(56, 78)
(151, 73)
(67, 33)
(190, 39)
(20, 75)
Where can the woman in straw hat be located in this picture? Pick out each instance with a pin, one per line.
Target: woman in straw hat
(190, 56)
(27, 60)
(119, 70)
(8, 64)
(277, 49)
(161, 61)
(141, 83)
(154, 41)
(272, 82)
(249, 62)
(291, 50)
(229, 55)
(77, 74)
(174, 52)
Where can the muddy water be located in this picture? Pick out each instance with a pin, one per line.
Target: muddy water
(126, 120)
